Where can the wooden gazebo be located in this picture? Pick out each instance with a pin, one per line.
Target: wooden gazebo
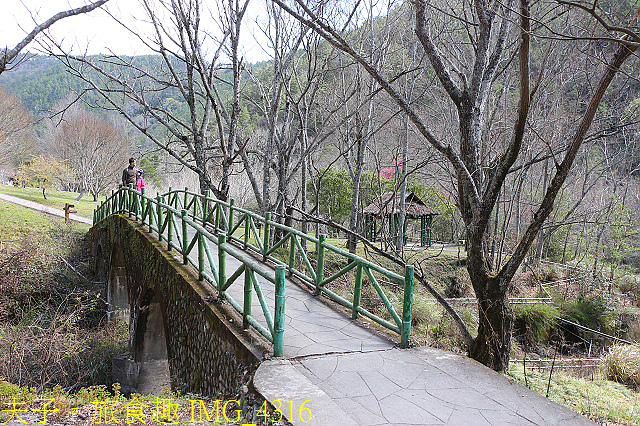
(388, 207)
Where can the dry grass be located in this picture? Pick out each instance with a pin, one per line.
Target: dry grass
(622, 364)
(603, 401)
(51, 319)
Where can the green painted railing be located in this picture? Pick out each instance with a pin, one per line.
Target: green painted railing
(217, 221)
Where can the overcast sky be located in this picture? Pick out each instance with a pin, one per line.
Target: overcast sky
(95, 32)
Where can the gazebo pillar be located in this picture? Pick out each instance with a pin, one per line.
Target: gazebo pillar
(374, 234)
(367, 223)
(404, 231)
(425, 230)
(370, 227)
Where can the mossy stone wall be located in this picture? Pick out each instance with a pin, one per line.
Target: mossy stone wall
(207, 352)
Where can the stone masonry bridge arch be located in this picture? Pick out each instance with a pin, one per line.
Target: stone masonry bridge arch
(176, 338)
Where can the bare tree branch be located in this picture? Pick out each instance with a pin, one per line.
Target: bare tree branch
(9, 55)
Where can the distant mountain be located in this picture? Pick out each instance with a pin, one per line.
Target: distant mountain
(40, 82)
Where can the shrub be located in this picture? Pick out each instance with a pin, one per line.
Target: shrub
(454, 287)
(51, 321)
(593, 311)
(423, 311)
(534, 322)
(628, 284)
(49, 347)
(622, 364)
(442, 331)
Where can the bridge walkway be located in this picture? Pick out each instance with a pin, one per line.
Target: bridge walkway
(350, 375)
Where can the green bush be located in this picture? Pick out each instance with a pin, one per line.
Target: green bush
(594, 311)
(622, 364)
(629, 284)
(533, 322)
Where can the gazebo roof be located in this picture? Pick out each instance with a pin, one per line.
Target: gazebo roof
(389, 203)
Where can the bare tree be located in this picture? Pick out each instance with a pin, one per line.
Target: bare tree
(94, 148)
(15, 125)
(8, 56)
(468, 45)
(294, 120)
(191, 64)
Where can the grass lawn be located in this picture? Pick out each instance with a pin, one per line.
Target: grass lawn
(55, 199)
(17, 221)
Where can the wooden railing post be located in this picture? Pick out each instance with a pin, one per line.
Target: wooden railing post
(142, 206)
(169, 229)
(222, 265)
(320, 264)
(160, 220)
(292, 252)
(247, 229)
(201, 244)
(186, 198)
(217, 222)
(278, 319)
(407, 306)
(149, 204)
(357, 292)
(247, 297)
(185, 237)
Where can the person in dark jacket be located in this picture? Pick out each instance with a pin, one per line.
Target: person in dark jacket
(131, 174)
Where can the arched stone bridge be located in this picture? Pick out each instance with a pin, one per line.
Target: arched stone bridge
(166, 262)
(174, 331)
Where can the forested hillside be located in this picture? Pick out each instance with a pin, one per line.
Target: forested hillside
(40, 83)
(43, 81)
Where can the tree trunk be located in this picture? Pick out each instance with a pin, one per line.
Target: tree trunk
(352, 240)
(303, 205)
(492, 345)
